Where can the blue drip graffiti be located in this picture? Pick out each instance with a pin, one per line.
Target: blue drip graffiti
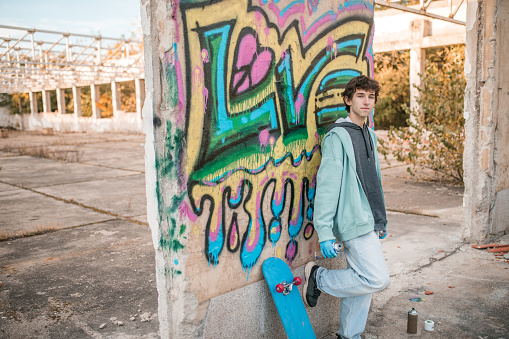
(311, 198)
(216, 241)
(254, 241)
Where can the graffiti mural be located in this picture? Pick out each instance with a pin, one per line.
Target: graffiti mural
(262, 81)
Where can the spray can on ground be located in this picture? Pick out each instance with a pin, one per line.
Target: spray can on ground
(337, 247)
(412, 321)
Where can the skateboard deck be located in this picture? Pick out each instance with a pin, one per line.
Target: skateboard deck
(288, 302)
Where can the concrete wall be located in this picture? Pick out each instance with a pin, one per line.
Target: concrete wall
(394, 29)
(122, 122)
(239, 94)
(486, 156)
(8, 120)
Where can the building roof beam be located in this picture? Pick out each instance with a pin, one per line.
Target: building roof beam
(423, 11)
(63, 33)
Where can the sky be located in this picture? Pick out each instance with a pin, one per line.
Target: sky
(110, 18)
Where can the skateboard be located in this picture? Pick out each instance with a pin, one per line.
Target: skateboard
(286, 296)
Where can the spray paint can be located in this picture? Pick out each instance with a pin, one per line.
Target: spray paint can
(337, 248)
(429, 325)
(411, 326)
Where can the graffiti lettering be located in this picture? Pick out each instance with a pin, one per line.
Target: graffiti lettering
(263, 81)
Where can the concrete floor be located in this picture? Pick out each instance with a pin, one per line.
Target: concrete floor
(92, 265)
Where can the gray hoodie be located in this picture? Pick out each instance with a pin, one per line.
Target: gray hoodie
(366, 168)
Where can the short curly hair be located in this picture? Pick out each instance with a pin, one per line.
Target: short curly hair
(360, 82)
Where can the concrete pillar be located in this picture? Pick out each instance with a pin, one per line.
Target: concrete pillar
(116, 98)
(46, 101)
(417, 67)
(139, 85)
(61, 101)
(76, 95)
(94, 93)
(33, 102)
(486, 154)
(419, 29)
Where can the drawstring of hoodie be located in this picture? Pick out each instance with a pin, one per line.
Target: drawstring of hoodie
(365, 133)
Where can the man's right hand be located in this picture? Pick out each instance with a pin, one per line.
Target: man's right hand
(327, 249)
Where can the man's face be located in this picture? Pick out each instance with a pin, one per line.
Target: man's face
(362, 103)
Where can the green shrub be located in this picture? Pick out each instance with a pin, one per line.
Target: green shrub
(435, 136)
(392, 72)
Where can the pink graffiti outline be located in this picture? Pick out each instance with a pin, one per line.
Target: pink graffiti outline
(312, 8)
(257, 223)
(296, 8)
(176, 4)
(213, 235)
(298, 105)
(184, 210)
(197, 78)
(290, 252)
(264, 139)
(233, 235)
(306, 33)
(205, 59)
(258, 24)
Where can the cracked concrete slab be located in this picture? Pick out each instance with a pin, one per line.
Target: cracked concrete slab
(124, 195)
(404, 251)
(6, 187)
(140, 218)
(27, 171)
(113, 150)
(66, 284)
(403, 194)
(5, 154)
(128, 163)
(470, 299)
(25, 211)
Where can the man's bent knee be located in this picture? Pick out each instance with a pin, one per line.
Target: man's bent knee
(381, 283)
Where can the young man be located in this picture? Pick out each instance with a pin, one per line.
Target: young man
(350, 208)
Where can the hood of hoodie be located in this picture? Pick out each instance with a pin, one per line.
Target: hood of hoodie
(347, 123)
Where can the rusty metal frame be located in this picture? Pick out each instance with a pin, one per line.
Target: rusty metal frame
(64, 60)
(423, 10)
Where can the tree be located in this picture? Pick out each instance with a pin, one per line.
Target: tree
(128, 91)
(435, 136)
(392, 72)
(5, 99)
(105, 103)
(20, 103)
(86, 102)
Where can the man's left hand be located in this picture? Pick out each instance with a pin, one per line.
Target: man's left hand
(327, 248)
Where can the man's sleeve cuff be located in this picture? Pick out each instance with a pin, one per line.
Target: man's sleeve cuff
(325, 234)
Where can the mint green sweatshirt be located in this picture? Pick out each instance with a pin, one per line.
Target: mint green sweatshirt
(342, 210)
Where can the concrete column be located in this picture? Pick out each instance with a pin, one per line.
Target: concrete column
(76, 95)
(486, 154)
(417, 66)
(46, 101)
(419, 29)
(33, 102)
(61, 101)
(139, 85)
(115, 97)
(94, 92)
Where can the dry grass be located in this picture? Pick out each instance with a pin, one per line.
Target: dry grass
(4, 236)
(54, 153)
